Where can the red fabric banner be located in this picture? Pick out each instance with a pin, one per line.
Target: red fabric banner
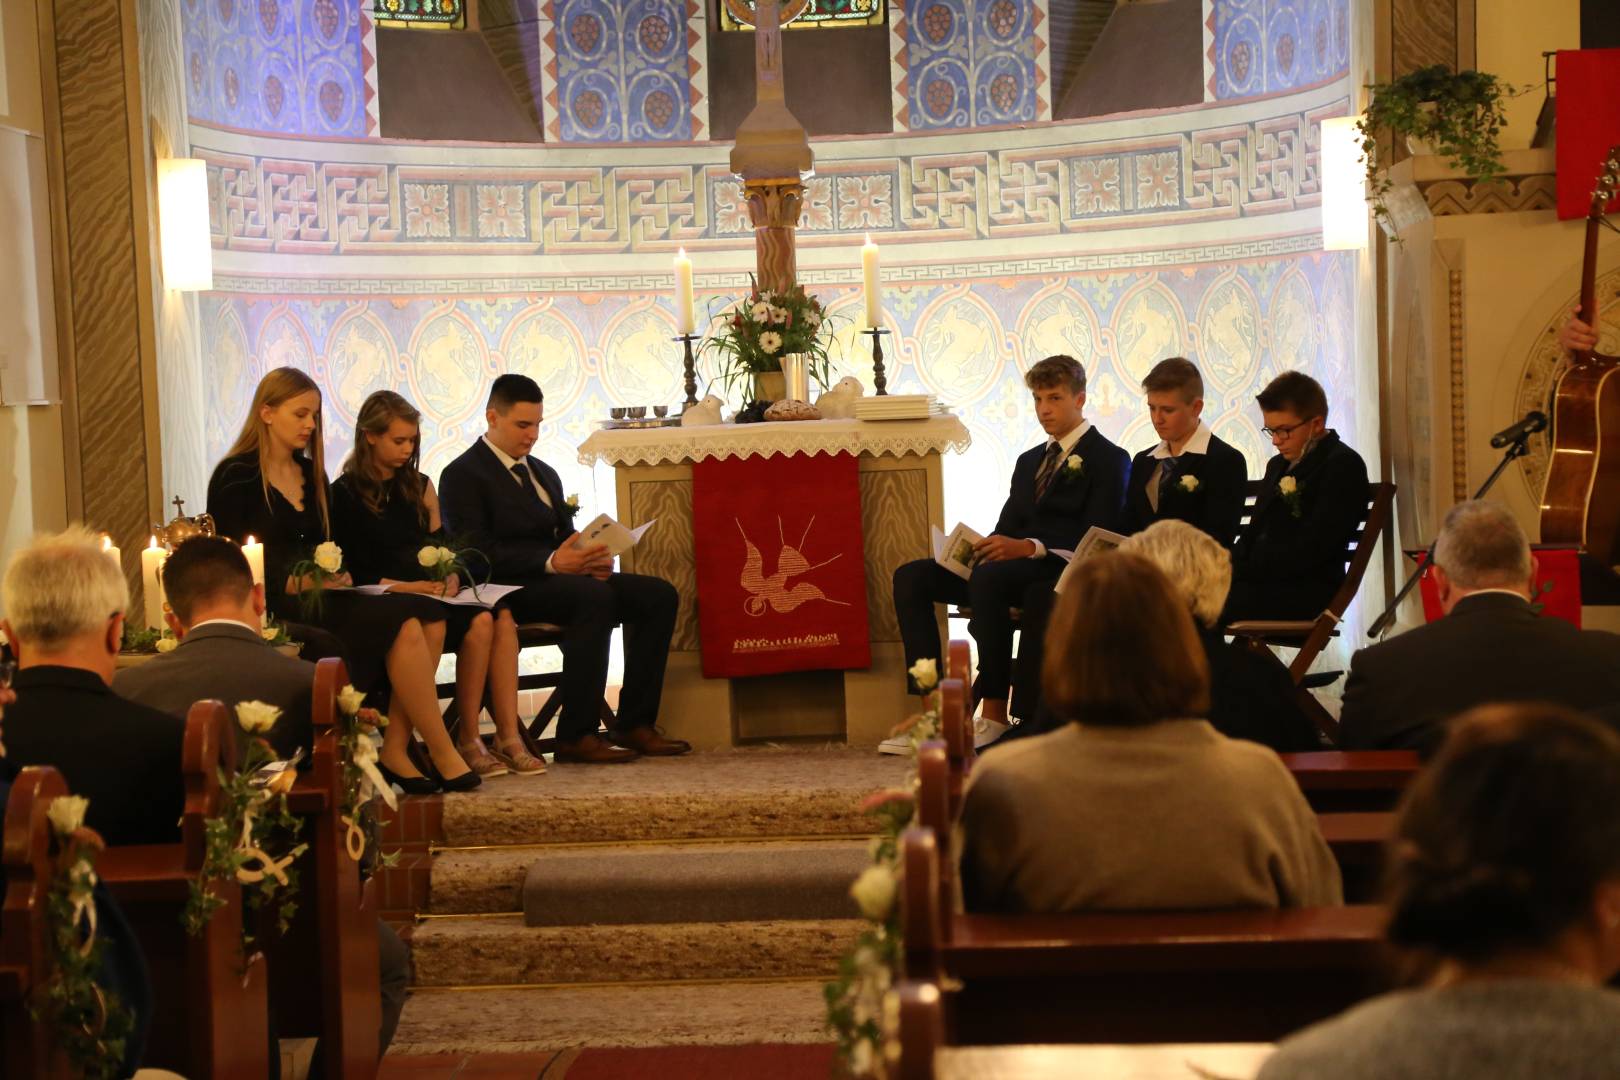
(1588, 124)
(1558, 585)
(781, 564)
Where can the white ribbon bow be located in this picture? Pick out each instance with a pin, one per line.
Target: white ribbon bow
(371, 782)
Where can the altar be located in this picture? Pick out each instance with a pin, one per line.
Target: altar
(901, 496)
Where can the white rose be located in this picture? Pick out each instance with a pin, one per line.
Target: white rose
(925, 673)
(67, 812)
(861, 1058)
(329, 557)
(1189, 483)
(270, 633)
(166, 644)
(760, 311)
(1074, 463)
(769, 342)
(428, 557)
(446, 556)
(572, 502)
(1288, 485)
(350, 700)
(256, 717)
(874, 891)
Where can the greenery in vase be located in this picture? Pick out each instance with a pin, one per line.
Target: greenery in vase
(1459, 113)
(752, 337)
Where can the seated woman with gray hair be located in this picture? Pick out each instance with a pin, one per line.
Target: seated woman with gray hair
(1250, 697)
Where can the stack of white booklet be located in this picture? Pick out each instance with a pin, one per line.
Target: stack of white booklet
(897, 407)
(955, 551)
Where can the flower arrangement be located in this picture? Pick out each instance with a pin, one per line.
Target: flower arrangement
(253, 823)
(361, 780)
(88, 1024)
(275, 633)
(324, 564)
(862, 1009)
(753, 336)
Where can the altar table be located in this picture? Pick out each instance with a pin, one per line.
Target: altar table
(902, 495)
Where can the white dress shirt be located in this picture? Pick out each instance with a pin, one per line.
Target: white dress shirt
(507, 461)
(1198, 444)
(1068, 443)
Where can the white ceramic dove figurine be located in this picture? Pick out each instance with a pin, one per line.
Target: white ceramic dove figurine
(706, 411)
(839, 402)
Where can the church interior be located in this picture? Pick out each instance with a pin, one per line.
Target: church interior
(834, 347)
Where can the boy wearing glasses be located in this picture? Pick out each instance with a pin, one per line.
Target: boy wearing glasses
(1289, 559)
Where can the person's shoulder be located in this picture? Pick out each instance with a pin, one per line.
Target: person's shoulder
(1336, 1047)
(138, 718)
(237, 469)
(463, 463)
(1222, 451)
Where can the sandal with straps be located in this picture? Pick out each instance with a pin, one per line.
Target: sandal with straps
(517, 759)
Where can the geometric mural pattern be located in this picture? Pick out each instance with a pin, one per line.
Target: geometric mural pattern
(969, 63)
(293, 67)
(1255, 47)
(277, 203)
(619, 71)
(968, 341)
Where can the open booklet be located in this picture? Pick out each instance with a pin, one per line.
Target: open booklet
(609, 533)
(1096, 541)
(955, 552)
(483, 596)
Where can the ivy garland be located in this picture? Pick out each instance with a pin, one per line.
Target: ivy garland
(88, 1024)
(360, 776)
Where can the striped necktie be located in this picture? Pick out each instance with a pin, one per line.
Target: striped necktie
(1048, 469)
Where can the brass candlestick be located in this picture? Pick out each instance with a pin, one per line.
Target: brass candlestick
(878, 381)
(690, 370)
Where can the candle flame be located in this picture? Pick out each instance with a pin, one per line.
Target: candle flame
(250, 542)
(106, 542)
(682, 254)
(151, 545)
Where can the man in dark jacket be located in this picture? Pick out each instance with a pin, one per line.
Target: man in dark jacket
(1492, 646)
(1290, 558)
(1073, 480)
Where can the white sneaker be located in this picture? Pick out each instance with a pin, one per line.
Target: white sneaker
(895, 744)
(987, 731)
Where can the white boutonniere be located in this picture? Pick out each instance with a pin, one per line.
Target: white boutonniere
(572, 502)
(1289, 488)
(1073, 468)
(1188, 484)
(66, 813)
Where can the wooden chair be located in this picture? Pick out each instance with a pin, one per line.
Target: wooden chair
(1227, 976)
(25, 1045)
(324, 979)
(530, 636)
(210, 1014)
(1310, 636)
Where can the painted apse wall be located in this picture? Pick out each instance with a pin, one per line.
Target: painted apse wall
(431, 268)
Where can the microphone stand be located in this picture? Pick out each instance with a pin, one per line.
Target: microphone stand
(1518, 448)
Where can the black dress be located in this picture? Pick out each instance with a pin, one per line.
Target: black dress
(366, 625)
(377, 546)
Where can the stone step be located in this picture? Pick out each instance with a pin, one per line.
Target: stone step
(693, 883)
(501, 951)
(529, 1020)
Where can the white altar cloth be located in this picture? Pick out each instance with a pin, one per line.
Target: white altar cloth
(669, 445)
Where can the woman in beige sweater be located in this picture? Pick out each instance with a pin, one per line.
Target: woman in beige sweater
(1136, 804)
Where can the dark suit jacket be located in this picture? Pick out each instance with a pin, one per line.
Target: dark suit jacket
(484, 507)
(1253, 698)
(228, 663)
(1071, 505)
(122, 756)
(1215, 505)
(1492, 647)
(1287, 567)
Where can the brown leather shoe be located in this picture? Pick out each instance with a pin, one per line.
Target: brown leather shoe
(650, 741)
(593, 750)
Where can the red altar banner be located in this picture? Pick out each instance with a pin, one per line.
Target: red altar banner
(1588, 124)
(781, 564)
(1558, 585)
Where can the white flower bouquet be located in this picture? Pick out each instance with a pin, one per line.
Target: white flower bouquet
(753, 336)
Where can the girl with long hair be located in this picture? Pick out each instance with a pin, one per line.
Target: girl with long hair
(385, 511)
(272, 485)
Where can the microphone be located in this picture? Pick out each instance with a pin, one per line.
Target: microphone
(1532, 423)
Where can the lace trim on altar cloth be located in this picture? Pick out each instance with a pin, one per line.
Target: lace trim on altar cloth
(669, 446)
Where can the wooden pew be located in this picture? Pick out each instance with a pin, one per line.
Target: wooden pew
(1243, 976)
(324, 969)
(25, 1047)
(210, 1012)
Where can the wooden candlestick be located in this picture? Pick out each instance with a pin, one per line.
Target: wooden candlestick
(878, 381)
(690, 368)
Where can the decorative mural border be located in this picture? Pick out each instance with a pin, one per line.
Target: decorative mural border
(368, 73)
(296, 205)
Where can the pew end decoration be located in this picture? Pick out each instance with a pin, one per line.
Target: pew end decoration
(253, 839)
(50, 846)
(361, 780)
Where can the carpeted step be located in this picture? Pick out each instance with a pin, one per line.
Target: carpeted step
(508, 1021)
(693, 883)
(487, 880)
(754, 792)
(501, 951)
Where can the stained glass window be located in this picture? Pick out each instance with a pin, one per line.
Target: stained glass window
(812, 14)
(432, 14)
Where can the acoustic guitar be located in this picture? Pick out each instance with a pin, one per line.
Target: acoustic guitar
(1580, 503)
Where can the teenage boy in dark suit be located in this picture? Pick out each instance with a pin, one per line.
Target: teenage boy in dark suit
(1290, 558)
(1191, 475)
(510, 506)
(1073, 480)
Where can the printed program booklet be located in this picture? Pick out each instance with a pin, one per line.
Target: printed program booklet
(1096, 541)
(609, 533)
(955, 552)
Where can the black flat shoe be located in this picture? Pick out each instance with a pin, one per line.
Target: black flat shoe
(465, 782)
(410, 785)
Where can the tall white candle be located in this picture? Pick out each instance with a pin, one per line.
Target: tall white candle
(152, 560)
(253, 551)
(683, 293)
(873, 283)
(113, 553)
